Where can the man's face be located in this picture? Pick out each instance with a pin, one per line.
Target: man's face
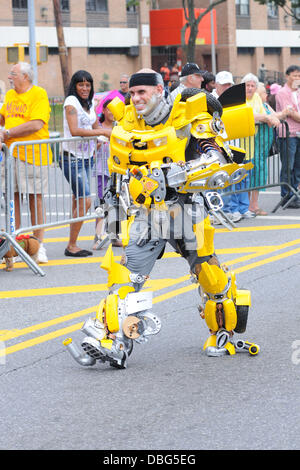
(293, 80)
(210, 86)
(124, 84)
(144, 97)
(16, 77)
(194, 80)
(174, 77)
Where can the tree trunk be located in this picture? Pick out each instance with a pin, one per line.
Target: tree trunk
(193, 23)
(62, 49)
(192, 42)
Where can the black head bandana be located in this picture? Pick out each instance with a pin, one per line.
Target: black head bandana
(138, 79)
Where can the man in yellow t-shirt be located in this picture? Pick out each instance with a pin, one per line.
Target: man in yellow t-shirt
(25, 115)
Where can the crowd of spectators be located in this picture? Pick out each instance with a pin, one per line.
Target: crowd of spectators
(24, 116)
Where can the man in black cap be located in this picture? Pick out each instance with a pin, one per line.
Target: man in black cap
(190, 77)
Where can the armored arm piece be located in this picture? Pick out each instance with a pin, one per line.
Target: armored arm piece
(155, 158)
(206, 172)
(150, 183)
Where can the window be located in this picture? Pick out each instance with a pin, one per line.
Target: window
(246, 50)
(242, 7)
(165, 54)
(19, 4)
(130, 6)
(272, 10)
(64, 5)
(108, 50)
(20, 12)
(296, 13)
(52, 50)
(97, 14)
(96, 5)
(272, 50)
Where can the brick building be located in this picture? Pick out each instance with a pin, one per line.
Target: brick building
(105, 37)
(248, 35)
(108, 37)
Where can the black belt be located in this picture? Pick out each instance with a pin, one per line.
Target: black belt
(67, 154)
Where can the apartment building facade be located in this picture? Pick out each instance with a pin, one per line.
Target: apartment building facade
(110, 37)
(105, 37)
(248, 35)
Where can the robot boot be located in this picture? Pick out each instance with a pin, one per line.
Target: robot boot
(225, 311)
(123, 317)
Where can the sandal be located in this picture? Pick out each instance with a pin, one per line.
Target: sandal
(260, 212)
(78, 254)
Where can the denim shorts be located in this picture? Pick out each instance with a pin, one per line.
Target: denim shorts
(79, 171)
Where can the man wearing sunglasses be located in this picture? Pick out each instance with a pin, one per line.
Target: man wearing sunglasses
(124, 82)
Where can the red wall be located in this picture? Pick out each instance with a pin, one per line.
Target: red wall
(165, 27)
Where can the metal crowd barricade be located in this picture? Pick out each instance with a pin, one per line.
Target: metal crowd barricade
(264, 151)
(52, 203)
(7, 212)
(4, 247)
(3, 222)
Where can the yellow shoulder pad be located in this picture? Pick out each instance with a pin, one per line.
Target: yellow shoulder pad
(238, 121)
(195, 106)
(117, 107)
(184, 112)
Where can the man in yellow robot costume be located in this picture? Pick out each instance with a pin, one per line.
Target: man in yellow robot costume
(167, 159)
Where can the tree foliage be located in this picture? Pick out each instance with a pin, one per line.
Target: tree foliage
(291, 8)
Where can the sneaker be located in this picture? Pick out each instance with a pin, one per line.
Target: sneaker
(42, 256)
(16, 259)
(234, 216)
(248, 215)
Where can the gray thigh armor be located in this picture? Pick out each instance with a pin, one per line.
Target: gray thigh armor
(151, 230)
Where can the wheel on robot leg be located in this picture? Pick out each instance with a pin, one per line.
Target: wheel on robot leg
(242, 318)
(241, 345)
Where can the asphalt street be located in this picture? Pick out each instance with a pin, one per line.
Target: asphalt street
(171, 396)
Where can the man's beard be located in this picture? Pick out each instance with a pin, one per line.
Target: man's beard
(156, 110)
(152, 103)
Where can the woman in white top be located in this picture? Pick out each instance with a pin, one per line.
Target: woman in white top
(80, 120)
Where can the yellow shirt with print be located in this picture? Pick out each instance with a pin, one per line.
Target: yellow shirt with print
(19, 108)
(248, 142)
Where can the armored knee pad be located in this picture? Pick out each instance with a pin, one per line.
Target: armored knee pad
(226, 306)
